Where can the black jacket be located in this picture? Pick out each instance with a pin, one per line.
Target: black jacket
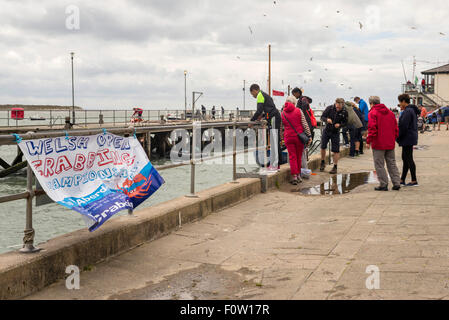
(340, 117)
(408, 126)
(265, 107)
(361, 117)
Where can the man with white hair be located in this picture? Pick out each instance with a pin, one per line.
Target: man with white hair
(382, 133)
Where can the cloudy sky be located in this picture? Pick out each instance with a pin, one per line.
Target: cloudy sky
(134, 52)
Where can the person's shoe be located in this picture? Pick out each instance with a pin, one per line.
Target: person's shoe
(357, 153)
(323, 166)
(397, 188)
(299, 179)
(334, 170)
(415, 184)
(347, 145)
(381, 189)
(403, 183)
(294, 180)
(361, 153)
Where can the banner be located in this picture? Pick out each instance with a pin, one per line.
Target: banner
(97, 176)
(278, 93)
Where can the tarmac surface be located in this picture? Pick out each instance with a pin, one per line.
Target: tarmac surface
(287, 245)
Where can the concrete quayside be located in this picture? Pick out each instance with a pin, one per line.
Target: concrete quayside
(234, 242)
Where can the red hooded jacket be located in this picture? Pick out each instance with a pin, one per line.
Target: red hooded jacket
(382, 128)
(292, 114)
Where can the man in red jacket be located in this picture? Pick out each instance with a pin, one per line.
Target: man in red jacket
(382, 133)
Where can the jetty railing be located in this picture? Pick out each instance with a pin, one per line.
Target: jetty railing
(54, 118)
(31, 192)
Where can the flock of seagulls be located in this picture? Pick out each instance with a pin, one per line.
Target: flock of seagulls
(342, 47)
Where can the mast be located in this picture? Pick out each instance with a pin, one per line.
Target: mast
(269, 70)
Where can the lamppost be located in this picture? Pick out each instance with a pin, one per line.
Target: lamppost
(185, 94)
(72, 54)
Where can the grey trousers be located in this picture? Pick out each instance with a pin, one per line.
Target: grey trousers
(389, 156)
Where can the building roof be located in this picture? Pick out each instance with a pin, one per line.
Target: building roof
(442, 69)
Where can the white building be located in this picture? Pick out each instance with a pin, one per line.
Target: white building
(435, 92)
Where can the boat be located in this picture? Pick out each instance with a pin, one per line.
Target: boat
(37, 118)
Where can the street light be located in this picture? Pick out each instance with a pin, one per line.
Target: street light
(72, 54)
(185, 94)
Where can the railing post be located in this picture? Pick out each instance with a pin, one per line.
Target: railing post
(193, 160)
(51, 120)
(28, 239)
(113, 115)
(265, 146)
(234, 154)
(149, 144)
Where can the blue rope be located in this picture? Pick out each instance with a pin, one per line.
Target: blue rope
(104, 131)
(18, 138)
(135, 136)
(66, 135)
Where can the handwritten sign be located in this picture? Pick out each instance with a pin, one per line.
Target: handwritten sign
(96, 175)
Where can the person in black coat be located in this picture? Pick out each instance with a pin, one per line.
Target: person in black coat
(356, 134)
(408, 137)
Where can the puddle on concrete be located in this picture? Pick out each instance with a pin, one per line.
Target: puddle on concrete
(207, 282)
(341, 184)
(421, 148)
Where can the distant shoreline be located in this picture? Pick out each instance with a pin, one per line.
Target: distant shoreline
(7, 107)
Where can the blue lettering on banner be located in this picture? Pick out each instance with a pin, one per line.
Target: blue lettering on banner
(70, 169)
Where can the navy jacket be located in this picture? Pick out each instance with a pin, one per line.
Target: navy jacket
(408, 126)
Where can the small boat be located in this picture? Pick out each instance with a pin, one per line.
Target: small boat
(37, 118)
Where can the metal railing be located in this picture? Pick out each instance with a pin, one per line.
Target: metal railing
(84, 118)
(31, 192)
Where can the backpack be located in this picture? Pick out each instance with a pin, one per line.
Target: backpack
(312, 117)
(353, 118)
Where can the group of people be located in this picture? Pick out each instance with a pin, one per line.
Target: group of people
(436, 118)
(376, 124)
(213, 112)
